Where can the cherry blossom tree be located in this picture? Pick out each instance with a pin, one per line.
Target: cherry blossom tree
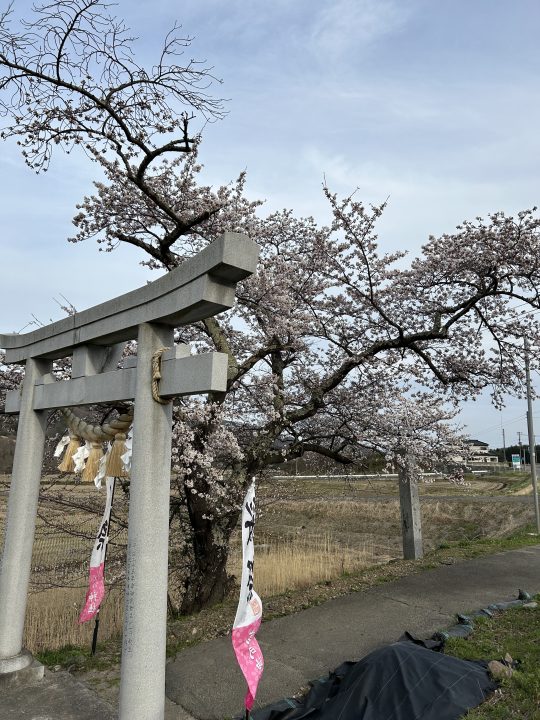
(334, 347)
(69, 79)
(330, 342)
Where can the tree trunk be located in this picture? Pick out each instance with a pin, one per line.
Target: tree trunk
(205, 581)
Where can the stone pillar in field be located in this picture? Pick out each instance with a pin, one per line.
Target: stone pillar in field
(409, 501)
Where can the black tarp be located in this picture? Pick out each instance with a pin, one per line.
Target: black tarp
(403, 681)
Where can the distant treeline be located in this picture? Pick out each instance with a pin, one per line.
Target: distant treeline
(522, 451)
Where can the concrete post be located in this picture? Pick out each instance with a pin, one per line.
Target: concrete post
(21, 521)
(409, 501)
(532, 440)
(142, 684)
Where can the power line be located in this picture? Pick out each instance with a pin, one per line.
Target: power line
(506, 422)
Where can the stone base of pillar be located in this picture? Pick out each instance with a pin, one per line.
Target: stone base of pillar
(20, 669)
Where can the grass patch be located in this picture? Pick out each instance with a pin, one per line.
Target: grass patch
(485, 546)
(517, 632)
(76, 657)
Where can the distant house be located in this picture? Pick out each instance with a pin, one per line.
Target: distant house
(477, 447)
(479, 452)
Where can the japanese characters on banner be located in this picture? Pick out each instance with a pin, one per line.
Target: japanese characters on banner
(249, 612)
(96, 585)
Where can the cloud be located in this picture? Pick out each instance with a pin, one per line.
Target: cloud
(356, 23)
(423, 200)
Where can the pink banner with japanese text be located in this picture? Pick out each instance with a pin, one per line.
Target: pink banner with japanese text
(249, 612)
(96, 584)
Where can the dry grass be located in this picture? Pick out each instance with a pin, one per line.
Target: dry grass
(59, 576)
(308, 532)
(354, 522)
(293, 564)
(51, 619)
(470, 521)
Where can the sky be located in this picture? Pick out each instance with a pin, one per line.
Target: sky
(434, 105)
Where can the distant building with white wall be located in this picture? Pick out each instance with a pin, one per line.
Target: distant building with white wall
(479, 452)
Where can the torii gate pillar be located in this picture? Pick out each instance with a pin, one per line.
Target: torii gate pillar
(199, 288)
(145, 605)
(21, 521)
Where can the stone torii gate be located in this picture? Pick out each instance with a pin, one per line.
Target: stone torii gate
(201, 287)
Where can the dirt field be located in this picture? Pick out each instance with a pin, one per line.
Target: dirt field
(308, 530)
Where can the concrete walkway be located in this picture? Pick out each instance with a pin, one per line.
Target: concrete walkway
(58, 696)
(204, 682)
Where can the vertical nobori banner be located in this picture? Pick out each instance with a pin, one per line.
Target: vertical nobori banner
(249, 612)
(96, 585)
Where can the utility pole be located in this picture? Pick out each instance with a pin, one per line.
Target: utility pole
(530, 430)
(504, 446)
